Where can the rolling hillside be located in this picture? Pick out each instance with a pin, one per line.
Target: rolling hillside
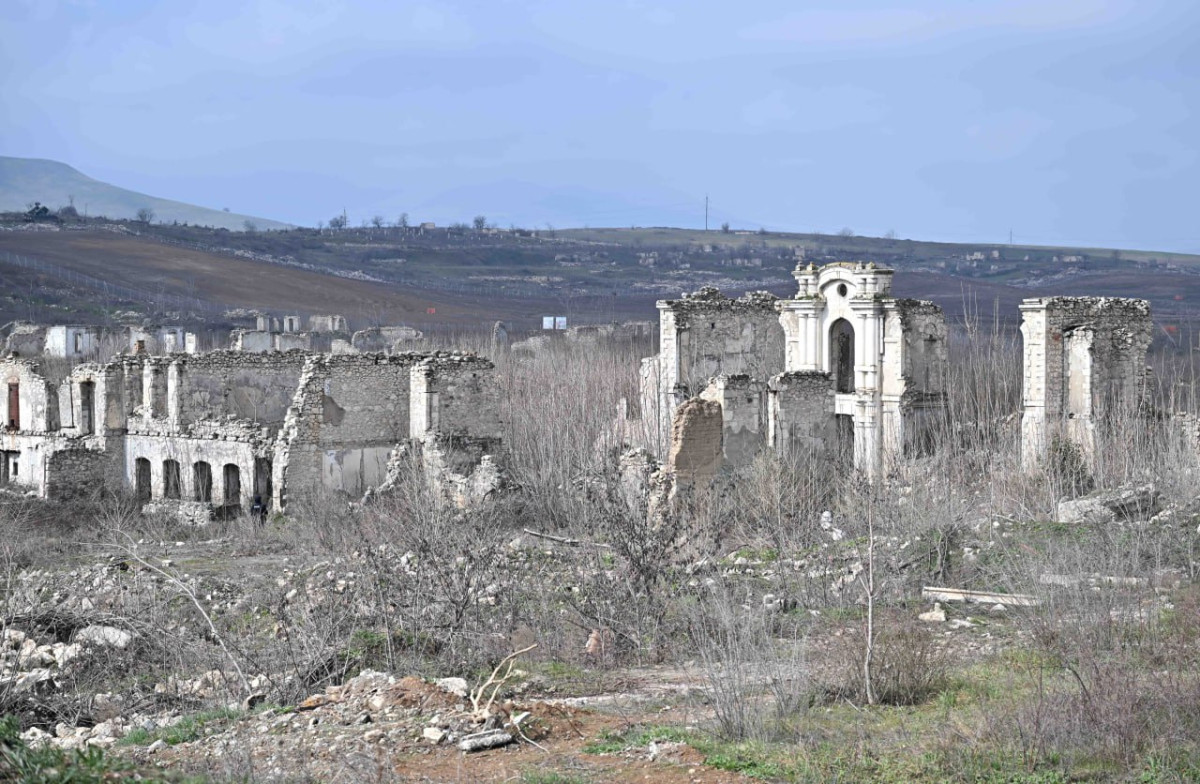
(460, 279)
(27, 180)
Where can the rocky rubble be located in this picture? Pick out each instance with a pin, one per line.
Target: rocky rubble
(370, 716)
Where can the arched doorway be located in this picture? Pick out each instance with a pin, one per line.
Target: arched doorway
(841, 355)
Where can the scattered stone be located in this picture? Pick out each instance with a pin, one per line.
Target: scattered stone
(1126, 504)
(433, 734)
(936, 615)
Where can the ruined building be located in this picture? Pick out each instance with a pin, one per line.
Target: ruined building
(841, 366)
(1084, 366)
(221, 428)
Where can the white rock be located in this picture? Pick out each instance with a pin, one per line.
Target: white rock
(433, 734)
(456, 686)
(104, 635)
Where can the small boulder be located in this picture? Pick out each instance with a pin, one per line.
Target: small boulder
(456, 686)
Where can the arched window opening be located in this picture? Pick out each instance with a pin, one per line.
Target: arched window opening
(202, 481)
(141, 480)
(841, 355)
(172, 482)
(233, 485)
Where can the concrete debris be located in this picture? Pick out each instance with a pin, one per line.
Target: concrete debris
(1126, 504)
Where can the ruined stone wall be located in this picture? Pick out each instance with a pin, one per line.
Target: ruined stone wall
(75, 471)
(743, 403)
(1084, 365)
(800, 413)
(914, 377)
(715, 335)
(230, 384)
(455, 417)
(346, 415)
(37, 407)
(25, 340)
(455, 396)
(382, 339)
(701, 336)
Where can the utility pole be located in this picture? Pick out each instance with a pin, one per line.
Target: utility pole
(1010, 237)
(706, 212)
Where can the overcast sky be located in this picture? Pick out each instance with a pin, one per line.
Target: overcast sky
(1066, 121)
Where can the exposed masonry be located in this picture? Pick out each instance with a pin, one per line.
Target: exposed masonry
(219, 429)
(842, 366)
(1085, 366)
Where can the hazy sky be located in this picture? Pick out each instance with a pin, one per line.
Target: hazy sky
(1069, 121)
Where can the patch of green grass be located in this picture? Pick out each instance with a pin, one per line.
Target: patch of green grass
(636, 737)
(187, 729)
(552, 777)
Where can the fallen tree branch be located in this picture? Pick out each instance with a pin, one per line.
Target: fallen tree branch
(564, 539)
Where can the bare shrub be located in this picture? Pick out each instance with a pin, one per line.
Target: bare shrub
(755, 684)
(908, 665)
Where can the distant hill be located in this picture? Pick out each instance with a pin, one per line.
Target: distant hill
(26, 180)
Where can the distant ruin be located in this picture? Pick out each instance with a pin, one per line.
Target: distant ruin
(1084, 365)
(844, 368)
(223, 428)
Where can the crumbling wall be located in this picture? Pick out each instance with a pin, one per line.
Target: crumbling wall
(347, 414)
(25, 340)
(913, 378)
(37, 402)
(218, 446)
(743, 417)
(696, 450)
(74, 471)
(230, 384)
(715, 335)
(327, 323)
(704, 335)
(1085, 364)
(801, 413)
(455, 418)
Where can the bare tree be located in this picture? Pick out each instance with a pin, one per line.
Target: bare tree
(480, 222)
(402, 221)
(145, 215)
(250, 226)
(377, 221)
(338, 222)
